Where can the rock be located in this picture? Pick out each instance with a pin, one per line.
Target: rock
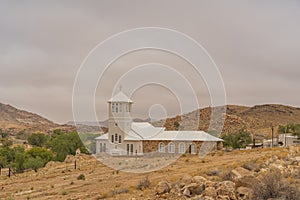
(194, 188)
(199, 180)
(244, 193)
(239, 173)
(185, 180)
(223, 197)
(163, 187)
(226, 188)
(186, 192)
(210, 192)
(201, 197)
(210, 184)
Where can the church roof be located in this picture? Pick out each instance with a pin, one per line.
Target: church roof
(145, 131)
(120, 97)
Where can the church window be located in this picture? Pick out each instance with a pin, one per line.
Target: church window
(120, 139)
(116, 137)
(181, 147)
(161, 148)
(171, 147)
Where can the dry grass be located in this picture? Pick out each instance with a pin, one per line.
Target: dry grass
(50, 183)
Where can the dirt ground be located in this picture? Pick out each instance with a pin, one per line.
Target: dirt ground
(60, 180)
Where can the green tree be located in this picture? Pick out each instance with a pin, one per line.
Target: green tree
(34, 163)
(38, 139)
(38, 152)
(65, 144)
(237, 140)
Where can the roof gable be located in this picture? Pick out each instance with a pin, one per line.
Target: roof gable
(120, 97)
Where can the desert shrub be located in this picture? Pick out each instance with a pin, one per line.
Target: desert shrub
(252, 166)
(213, 172)
(225, 175)
(118, 191)
(81, 177)
(143, 184)
(273, 185)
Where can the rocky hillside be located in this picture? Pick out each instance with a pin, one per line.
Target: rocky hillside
(13, 120)
(257, 119)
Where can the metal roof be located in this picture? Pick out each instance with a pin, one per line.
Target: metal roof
(102, 137)
(145, 131)
(120, 97)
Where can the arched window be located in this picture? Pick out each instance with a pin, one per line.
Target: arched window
(112, 138)
(193, 149)
(116, 137)
(161, 148)
(181, 147)
(171, 147)
(117, 107)
(100, 148)
(120, 139)
(104, 147)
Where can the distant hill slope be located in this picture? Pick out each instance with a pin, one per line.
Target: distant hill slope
(257, 119)
(13, 120)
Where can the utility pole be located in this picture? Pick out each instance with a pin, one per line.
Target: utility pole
(272, 127)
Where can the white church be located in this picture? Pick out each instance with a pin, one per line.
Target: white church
(127, 138)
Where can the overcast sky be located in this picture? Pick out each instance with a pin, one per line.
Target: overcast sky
(255, 44)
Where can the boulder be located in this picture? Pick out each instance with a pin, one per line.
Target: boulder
(163, 187)
(210, 184)
(239, 173)
(194, 188)
(199, 180)
(186, 192)
(223, 197)
(226, 188)
(210, 192)
(244, 193)
(185, 180)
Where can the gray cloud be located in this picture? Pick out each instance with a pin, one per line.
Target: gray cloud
(255, 44)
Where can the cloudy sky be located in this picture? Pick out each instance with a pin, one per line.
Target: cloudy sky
(255, 44)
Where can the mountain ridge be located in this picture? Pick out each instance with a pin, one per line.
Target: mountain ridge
(14, 120)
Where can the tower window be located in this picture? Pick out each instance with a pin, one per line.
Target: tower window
(116, 137)
(120, 139)
(117, 107)
(120, 107)
(113, 107)
(112, 138)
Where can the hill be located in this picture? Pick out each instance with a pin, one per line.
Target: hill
(13, 120)
(257, 119)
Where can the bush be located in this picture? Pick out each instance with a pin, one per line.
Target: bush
(272, 185)
(81, 177)
(143, 184)
(118, 191)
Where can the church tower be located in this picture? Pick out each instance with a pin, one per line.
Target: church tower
(119, 121)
